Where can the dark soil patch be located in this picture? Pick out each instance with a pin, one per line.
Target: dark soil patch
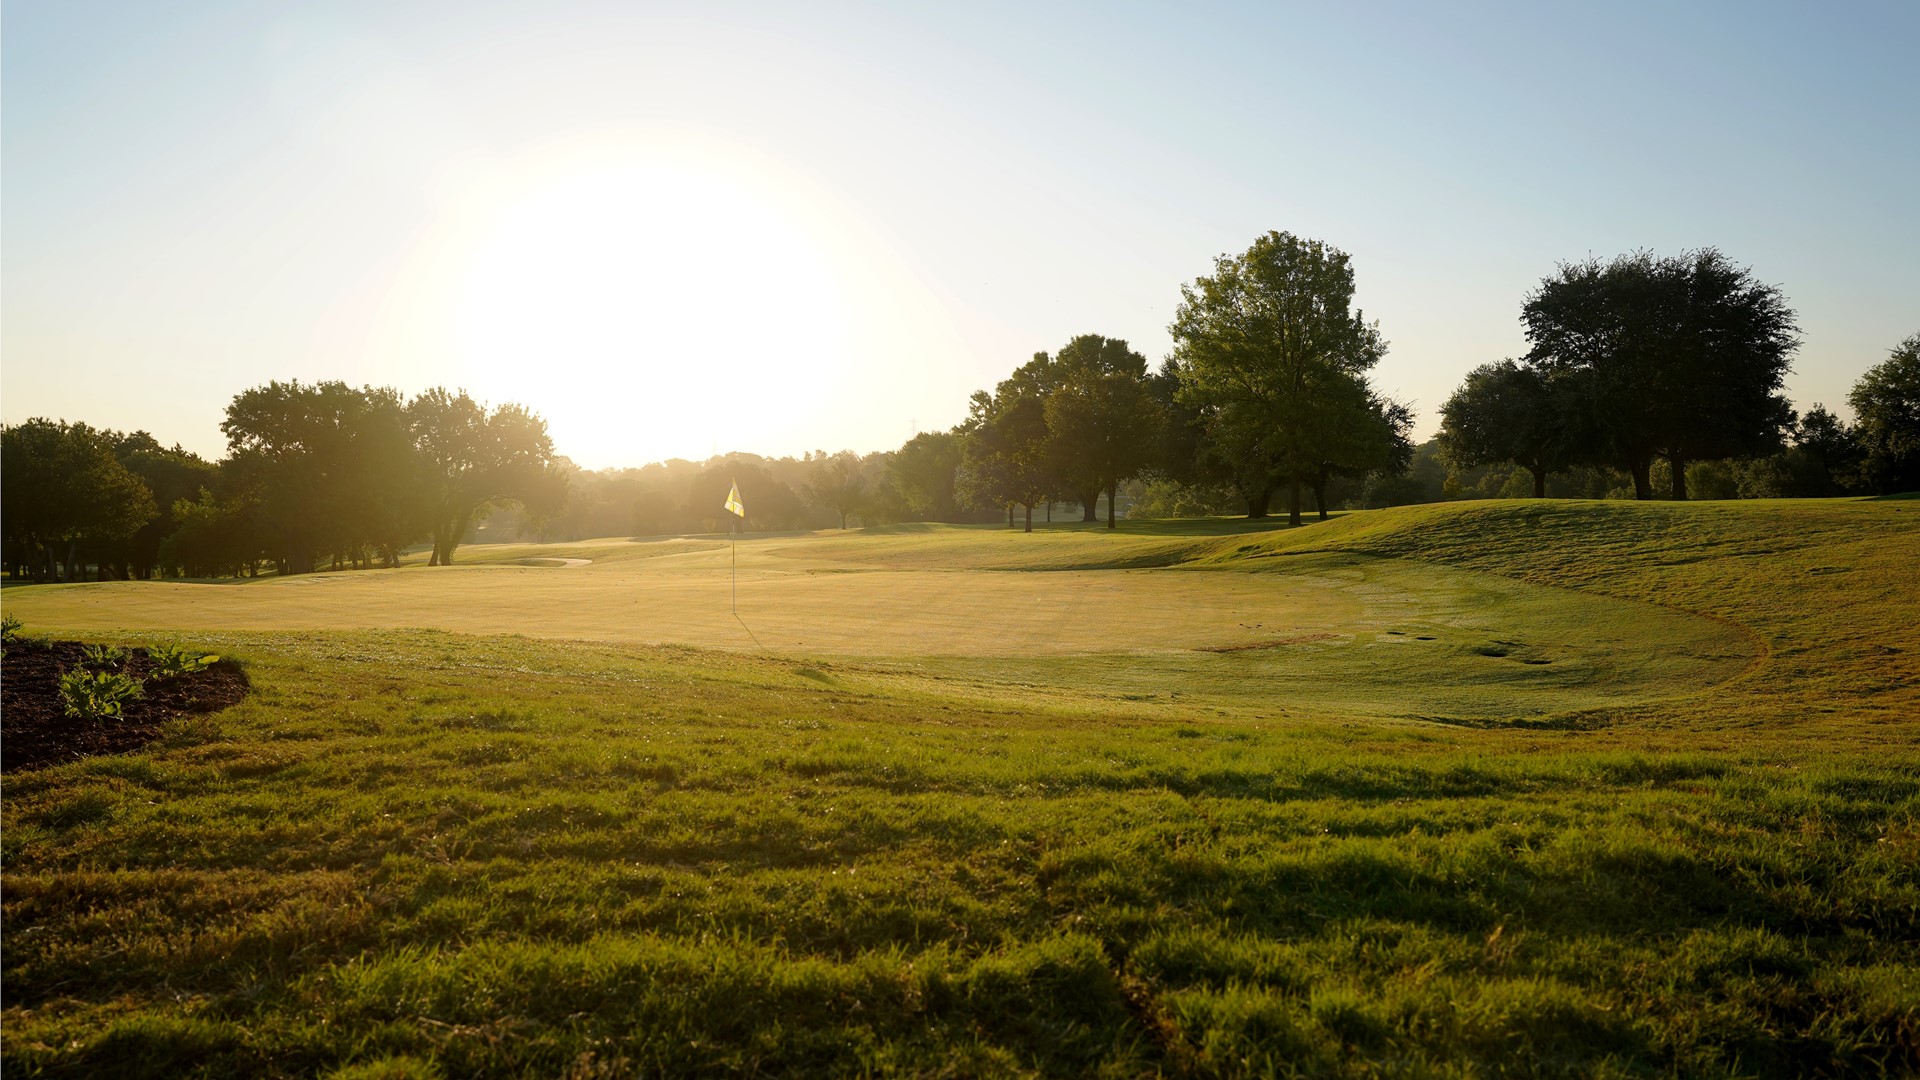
(35, 730)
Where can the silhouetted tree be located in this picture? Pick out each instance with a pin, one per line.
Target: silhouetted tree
(1003, 457)
(1263, 348)
(472, 460)
(325, 469)
(1886, 409)
(171, 475)
(836, 483)
(1679, 358)
(61, 487)
(771, 505)
(1504, 412)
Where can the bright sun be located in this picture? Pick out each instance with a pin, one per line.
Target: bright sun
(653, 309)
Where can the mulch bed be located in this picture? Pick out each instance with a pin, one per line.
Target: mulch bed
(35, 730)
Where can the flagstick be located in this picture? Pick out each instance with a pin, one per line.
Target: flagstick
(736, 568)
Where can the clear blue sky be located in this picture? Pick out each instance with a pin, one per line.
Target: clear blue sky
(681, 228)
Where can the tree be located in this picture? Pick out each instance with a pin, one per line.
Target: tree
(1681, 358)
(1102, 421)
(171, 475)
(326, 469)
(1094, 370)
(61, 488)
(1003, 451)
(1503, 412)
(1886, 409)
(836, 483)
(770, 504)
(1825, 455)
(1264, 347)
(472, 460)
(1356, 434)
(924, 469)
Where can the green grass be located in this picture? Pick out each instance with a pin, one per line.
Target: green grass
(1690, 845)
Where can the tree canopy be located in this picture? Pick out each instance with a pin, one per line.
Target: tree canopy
(1270, 349)
(1677, 357)
(1504, 412)
(1886, 409)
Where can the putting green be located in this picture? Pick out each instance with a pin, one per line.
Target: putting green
(1382, 637)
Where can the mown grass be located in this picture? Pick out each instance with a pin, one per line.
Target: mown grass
(428, 853)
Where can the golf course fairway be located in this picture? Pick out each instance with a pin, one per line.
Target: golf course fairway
(1505, 788)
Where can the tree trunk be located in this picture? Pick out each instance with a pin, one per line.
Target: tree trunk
(1320, 494)
(1090, 505)
(73, 560)
(1539, 481)
(1293, 502)
(1049, 511)
(1009, 515)
(843, 521)
(1642, 478)
(1029, 517)
(1113, 496)
(1257, 503)
(1679, 466)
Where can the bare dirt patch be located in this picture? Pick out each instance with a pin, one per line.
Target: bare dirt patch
(35, 731)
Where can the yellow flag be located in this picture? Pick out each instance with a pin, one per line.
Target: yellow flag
(733, 503)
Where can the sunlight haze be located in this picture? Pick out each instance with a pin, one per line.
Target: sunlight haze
(675, 230)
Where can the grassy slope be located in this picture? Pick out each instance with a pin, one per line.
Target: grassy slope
(461, 854)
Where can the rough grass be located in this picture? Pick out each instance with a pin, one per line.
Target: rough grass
(419, 853)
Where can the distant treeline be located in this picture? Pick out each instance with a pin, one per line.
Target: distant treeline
(1647, 377)
(316, 476)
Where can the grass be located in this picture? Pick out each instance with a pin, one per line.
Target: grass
(1689, 845)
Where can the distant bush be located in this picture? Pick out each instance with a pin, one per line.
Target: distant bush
(173, 662)
(95, 695)
(1174, 499)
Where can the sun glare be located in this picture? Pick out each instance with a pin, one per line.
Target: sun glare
(654, 309)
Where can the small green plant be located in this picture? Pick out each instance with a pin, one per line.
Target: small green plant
(94, 695)
(173, 662)
(9, 630)
(102, 656)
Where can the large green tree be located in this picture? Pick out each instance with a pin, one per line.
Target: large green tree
(1357, 433)
(1267, 348)
(1886, 409)
(171, 474)
(1504, 412)
(925, 471)
(62, 489)
(1003, 458)
(1103, 422)
(326, 471)
(1678, 357)
(472, 459)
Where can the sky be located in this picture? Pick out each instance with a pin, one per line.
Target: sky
(675, 230)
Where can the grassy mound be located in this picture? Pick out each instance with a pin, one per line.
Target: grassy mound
(417, 852)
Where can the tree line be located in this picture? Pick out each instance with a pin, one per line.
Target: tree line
(1678, 362)
(316, 475)
(1646, 376)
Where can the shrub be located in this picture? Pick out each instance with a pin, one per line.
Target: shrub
(173, 662)
(9, 630)
(93, 695)
(102, 656)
